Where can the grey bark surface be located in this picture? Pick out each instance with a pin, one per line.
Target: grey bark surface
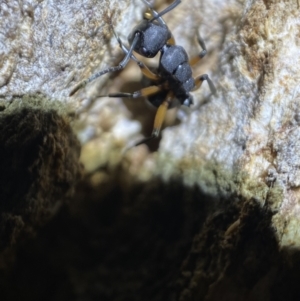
(209, 213)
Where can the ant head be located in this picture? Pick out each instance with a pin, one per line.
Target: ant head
(152, 37)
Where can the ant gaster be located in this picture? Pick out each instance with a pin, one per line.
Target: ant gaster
(173, 81)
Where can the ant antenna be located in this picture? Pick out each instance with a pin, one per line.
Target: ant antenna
(121, 66)
(166, 10)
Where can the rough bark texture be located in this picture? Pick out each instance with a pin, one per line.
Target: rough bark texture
(208, 212)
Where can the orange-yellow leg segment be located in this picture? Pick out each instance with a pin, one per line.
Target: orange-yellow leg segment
(159, 118)
(146, 71)
(193, 61)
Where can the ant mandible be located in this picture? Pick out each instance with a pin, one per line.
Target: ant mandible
(173, 81)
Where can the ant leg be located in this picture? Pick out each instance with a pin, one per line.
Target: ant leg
(155, 14)
(110, 69)
(200, 79)
(159, 119)
(145, 70)
(166, 10)
(196, 59)
(140, 93)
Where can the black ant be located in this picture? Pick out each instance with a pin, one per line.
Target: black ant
(173, 81)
